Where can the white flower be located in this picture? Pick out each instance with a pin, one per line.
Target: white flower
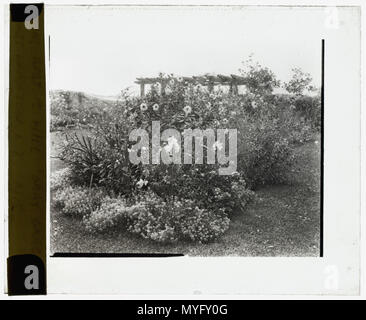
(155, 107)
(187, 110)
(254, 104)
(141, 183)
(316, 142)
(180, 79)
(143, 106)
(172, 145)
(217, 145)
(171, 82)
(225, 121)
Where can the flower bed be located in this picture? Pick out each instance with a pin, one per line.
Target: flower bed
(168, 202)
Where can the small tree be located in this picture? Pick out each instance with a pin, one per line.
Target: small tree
(260, 80)
(300, 82)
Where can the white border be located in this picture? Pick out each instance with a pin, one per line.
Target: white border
(215, 275)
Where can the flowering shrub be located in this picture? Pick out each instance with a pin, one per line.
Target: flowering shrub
(154, 218)
(103, 156)
(176, 219)
(201, 184)
(265, 154)
(200, 225)
(171, 202)
(77, 201)
(259, 79)
(60, 179)
(264, 138)
(111, 213)
(310, 109)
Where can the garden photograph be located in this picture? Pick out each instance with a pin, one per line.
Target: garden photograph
(200, 135)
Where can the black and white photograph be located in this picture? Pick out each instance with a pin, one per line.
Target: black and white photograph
(177, 150)
(185, 130)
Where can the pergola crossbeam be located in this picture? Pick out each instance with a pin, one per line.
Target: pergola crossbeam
(206, 80)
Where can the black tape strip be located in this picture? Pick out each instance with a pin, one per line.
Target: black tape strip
(17, 11)
(26, 275)
(27, 152)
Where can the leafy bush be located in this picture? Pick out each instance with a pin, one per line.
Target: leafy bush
(266, 156)
(310, 109)
(77, 201)
(268, 125)
(103, 156)
(296, 118)
(167, 203)
(307, 106)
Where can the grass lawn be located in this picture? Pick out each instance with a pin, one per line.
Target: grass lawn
(282, 221)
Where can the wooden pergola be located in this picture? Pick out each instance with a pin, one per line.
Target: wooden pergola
(233, 81)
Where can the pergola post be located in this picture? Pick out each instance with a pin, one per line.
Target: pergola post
(142, 89)
(235, 89)
(162, 87)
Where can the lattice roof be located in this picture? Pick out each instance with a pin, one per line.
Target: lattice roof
(203, 80)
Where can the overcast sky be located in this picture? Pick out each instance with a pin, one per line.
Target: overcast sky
(101, 50)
